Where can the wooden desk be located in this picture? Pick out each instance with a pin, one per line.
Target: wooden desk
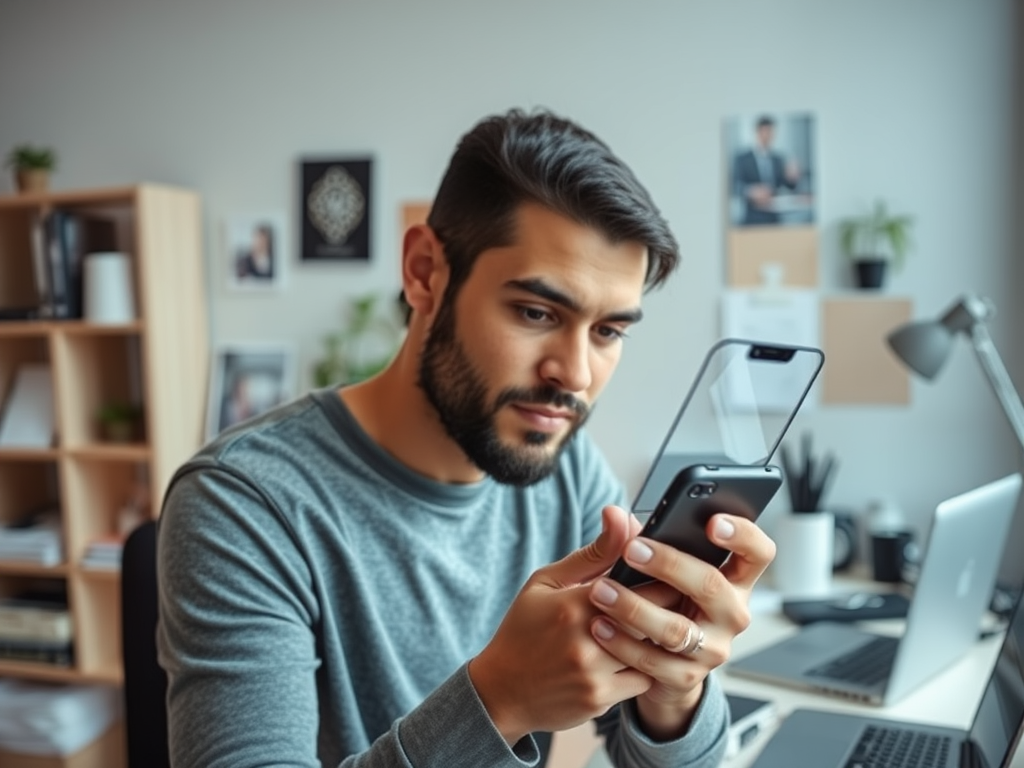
(948, 699)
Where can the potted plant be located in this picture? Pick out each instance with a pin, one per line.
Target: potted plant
(120, 422)
(32, 167)
(873, 240)
(364, 345)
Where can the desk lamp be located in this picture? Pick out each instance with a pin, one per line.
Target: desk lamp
(924, 346)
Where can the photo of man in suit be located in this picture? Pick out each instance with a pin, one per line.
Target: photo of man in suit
(769, 185)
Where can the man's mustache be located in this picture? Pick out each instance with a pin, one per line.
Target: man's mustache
(546, 395)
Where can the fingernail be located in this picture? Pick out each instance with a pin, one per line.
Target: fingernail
(638, 552)
(604, 630)
(605, 593)
(724, 528)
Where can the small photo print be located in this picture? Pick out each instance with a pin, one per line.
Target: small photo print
(255, 245)
(771, 169)
(336, 209)
(247, 380)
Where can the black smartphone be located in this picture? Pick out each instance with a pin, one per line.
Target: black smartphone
(698, 492)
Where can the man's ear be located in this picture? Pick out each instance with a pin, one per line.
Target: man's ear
(424, 270)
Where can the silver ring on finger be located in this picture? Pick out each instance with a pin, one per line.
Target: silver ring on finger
(699, 645)
(690, 644)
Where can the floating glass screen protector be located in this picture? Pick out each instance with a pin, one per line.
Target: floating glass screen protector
(737, 411)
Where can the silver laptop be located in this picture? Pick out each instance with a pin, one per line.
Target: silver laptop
(953, 589)
(812, 739)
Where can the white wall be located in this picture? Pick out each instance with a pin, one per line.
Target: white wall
(914, 101)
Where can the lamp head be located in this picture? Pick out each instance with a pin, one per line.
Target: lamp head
(924, 346)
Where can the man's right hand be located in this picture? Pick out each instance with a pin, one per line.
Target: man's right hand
(542, 670)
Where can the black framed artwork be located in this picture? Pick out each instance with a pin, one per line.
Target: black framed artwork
(336, 209)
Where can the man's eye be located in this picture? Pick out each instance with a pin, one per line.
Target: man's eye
(533, 314)
(610, 333)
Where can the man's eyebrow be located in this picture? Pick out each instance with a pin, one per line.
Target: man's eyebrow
(538, 287)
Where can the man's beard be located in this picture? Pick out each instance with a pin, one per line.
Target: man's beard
(459, 395)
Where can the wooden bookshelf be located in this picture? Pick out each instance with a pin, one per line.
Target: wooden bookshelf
(158, 360)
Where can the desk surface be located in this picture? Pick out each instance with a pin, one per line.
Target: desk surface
(948, 699)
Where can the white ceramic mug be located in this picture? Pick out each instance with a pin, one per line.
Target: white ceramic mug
(803, 560)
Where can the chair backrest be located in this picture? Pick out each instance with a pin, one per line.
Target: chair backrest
(145, 683)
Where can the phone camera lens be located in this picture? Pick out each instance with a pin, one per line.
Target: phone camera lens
(701, 490)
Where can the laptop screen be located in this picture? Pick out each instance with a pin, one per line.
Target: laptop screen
(1001, 712)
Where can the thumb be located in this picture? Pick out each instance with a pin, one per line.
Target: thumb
(595, 558)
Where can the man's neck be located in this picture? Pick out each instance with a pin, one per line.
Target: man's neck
(393, 410)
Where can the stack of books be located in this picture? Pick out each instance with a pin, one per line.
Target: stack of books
(104, 553)
(38, 541)
(36, 626)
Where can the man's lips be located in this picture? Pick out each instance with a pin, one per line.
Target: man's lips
(544, 418)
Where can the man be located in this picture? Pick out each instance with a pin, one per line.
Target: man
(760, 173)
(408, 571)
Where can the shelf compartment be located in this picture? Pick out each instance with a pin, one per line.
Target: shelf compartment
(26, 487)
(107, 369)
(97, 605)
(96, 491)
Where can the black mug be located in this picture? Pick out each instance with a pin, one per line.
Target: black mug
(890, 553)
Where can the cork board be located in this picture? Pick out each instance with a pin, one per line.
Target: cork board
(859, 367)
(795, 249)
(414, 213)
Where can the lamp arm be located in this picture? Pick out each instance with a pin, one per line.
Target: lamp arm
(998, 378)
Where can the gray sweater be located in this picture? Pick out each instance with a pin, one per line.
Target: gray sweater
(319, 601)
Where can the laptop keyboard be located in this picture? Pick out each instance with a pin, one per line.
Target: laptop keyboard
(880, 747)
(868, 664)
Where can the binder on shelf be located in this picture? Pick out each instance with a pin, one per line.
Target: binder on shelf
(60, 240)
(41, 267)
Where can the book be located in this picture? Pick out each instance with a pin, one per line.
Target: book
(37, 539)
(40, 267)
(56, 263)
(104, 553)
(57, 653)
(33, 620)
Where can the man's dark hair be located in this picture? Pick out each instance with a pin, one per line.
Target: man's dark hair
(765, 121)
(510, 159)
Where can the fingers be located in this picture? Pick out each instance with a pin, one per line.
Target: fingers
(685, 667)
(752, 549)
(595, 558)
(671, 631)
(713, 590)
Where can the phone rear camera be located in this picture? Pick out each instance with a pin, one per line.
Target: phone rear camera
(701, 490)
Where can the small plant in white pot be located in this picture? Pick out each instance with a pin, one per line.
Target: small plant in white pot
(874, 240)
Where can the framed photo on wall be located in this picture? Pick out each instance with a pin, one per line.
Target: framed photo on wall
(771, 169)
(254, 246)
(247, 380)
(336, 209)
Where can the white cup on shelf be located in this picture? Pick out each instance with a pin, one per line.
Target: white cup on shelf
(107, 286)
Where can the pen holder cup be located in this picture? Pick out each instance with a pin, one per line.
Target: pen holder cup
(804, 559)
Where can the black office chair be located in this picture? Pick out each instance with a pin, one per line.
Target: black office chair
(145, 683)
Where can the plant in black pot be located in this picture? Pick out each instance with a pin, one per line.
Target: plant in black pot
(874, 241)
